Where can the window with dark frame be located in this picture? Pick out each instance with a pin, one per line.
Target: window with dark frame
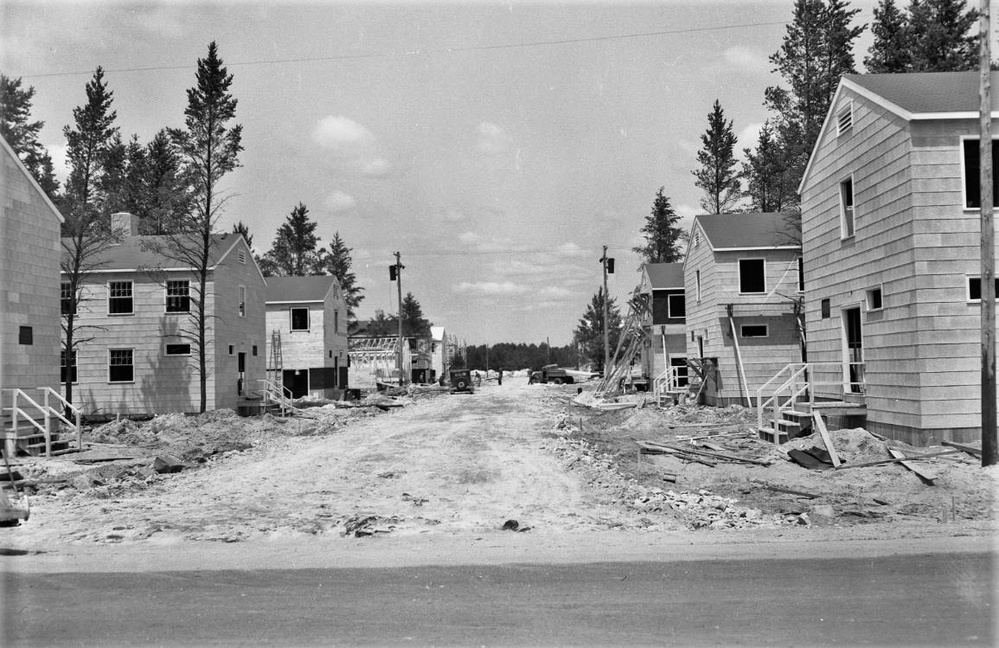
(975, 288)
(63, 368)
(874, 299)
(677, 306)
(120, 298)
(178, 349)
(120, 366)
(755, 330)
(232, 349)
(254, 349)
(847, 224)
(178, 296)
(66, 300)
(752, 276)
(973, 170)
(801, 274)
(25, 335)
(826, 309)
(299, 319)
(242, 301)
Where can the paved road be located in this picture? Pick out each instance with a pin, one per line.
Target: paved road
(903, 600)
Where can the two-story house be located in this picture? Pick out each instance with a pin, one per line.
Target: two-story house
(138, 349)
(29, 284)
(307, 335)
(891, 238)
(743, 284)
(665, 324)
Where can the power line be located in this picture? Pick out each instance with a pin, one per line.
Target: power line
(446, 50)
(447, 253)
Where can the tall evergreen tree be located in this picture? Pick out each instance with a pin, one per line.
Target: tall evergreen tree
(338, 262)
(209, 147)
(22, 133)
(413, 322)
(941, 36)
(589, 334)
(889, 52)
(243, 230)
(86, 231)
(293, 252)
(769, 179)
(168, 192)
(662, 232)
(717, 175)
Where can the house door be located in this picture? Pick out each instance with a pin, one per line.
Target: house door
(680, 365)
(297, 382)
(700, 347)
(241, 368)
(854, 350)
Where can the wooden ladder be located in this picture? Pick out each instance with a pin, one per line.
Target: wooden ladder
(277, 359)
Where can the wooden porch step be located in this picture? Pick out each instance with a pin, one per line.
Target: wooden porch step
(768, 434)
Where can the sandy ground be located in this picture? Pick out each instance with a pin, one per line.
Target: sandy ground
(436, 481)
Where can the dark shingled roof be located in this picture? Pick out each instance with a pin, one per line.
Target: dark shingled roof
(927, 92)
(298, 289)
(665, 275)
(139, 252)
(749, 230)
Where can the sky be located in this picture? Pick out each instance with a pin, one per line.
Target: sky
(496, 147)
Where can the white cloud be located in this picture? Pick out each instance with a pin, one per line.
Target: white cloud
(493, 140)
(60, 161)
(749, 135)
(747, 58)
(351, 144)
(572, 250)
(469, 238)
(490, 288)
(338, 201)
(449, 215)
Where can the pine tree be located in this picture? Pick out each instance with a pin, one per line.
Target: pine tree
(86, 231)
(243, 230)
(169, 198)
(338, 262)
(769, 179)
(662, 232)
(22, 134)
(293, 252)
(589, 334)
(717, 175)
(210, 149)
(941, 37)
(413, 322)
(889, 52)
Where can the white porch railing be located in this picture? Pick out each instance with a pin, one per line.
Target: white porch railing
(279, 395)
(24, 408)
(798, 380)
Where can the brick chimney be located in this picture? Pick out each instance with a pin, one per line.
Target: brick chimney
(125, 224)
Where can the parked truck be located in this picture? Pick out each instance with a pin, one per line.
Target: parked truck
(551, 374)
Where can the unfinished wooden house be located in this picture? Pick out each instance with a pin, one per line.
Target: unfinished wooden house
(138, 352)
(743, 283)
(29, 305)
(664, 351)
(891, 238)
(307, 335)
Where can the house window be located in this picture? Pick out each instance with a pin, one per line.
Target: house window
(331, 353)
(254, 350)
(178, 296)
(752, 276)
(67, 372)
(677, 306)
(825, 309)
(801, 274)
(299, 319)
(66, 299)
(972, 173)
(120, 367)
(844, 119)
(698, 285)
(232, 349)
(336, 321)
(178, 349)
(242, 301)
(874, 301)
(846, 212)
(975, 289)
(119, 298)
(25, 335)
(755, 330)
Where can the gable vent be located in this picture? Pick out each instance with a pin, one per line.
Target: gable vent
(844, 119)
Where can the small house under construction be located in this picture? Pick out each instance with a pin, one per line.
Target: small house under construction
(743, 282)
(306, 336)
(664, 323)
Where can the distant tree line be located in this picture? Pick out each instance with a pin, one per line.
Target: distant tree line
(511, 357)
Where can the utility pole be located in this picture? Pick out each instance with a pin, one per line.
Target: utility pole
(608, 266)
(989, 442)
(398, 277)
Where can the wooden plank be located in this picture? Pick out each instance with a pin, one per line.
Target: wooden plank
(965, 448)
(782, 489)
(820, 425)
(924, 474)
(891, 461)
(719, 455)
